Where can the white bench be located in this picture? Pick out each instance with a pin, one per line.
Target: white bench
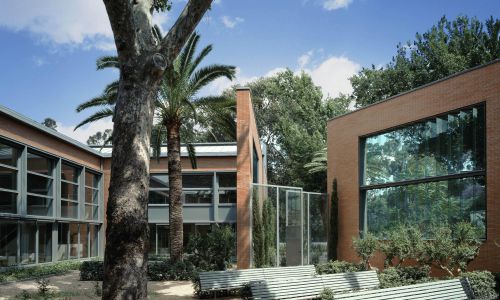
(227, 280)
(454, 289)
(311, 287)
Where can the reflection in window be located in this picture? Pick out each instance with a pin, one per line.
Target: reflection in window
(69, 191)
(91, 196)
(197, 197)
(44, 242)
(445, 145)
(28, 243)
(227, 187)
(62, 241)
(8, 244)
(94, 240)
(40, 181)
(73, 240)
(84, 238)
(8, 178)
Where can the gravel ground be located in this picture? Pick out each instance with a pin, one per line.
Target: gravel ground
(70, 287)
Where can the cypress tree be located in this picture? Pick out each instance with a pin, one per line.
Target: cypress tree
(333, 232)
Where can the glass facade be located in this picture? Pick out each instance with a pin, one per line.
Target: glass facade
(426, 173)
(49, 207)
(197, 188)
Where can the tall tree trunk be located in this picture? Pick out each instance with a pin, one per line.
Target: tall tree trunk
(175, 190)
(127, 236)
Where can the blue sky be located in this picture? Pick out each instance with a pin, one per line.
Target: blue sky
(49, 47)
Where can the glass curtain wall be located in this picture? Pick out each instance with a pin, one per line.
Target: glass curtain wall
(288, 226)
(8, 178)
(39, 185)
(428, 173)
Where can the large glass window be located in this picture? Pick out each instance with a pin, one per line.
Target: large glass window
(94, 240)
(69, 191)
(427, 173)
(91, 196)
(84, 241)
(8, 243)
(8, 178)
(44, 242)
(62, 241)
(227, 187)
(197, 188)
(28, 243)
(39, 180)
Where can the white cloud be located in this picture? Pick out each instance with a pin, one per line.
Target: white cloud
(305, 59)
(83, 133)
(230, 22)
(336, 4)
(217, 1)
(82, 23)
(333, 74)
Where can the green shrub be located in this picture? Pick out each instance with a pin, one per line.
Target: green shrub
(452, 248)
(365, 248)
(92, 270)
(403, 242)
(213, 251)
(338, 266)
(399, 276)
(327, 294)
(15, 273)
(482, 283)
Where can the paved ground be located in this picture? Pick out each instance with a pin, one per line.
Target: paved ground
(70, 287)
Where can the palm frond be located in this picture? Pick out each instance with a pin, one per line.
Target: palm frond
(319, 162)
(94, 102)
(104, 113)
(187, 53)
(206, 75)
(112, 88)
(192, 155)
(107, 62)
(204, 52)
(158, 135)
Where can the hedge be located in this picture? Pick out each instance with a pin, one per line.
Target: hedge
(24, 273)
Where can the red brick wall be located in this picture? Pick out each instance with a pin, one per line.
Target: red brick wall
(475, 86)
(247, 136)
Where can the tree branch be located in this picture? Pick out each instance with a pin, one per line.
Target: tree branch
(177, 36)
(120, 14)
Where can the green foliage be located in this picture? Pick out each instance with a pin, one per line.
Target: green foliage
(257, 234)
(333, 232)
(452, 248)
(365, 248)
(482, 283)
(50, 123)
(100, 138)
(399, 276)
(14, 273)
(403, 242)
(92, 270)
(327, 294)
(43, 286)
(291, 114)
(447, 48)
(214, 251)
(338, 266)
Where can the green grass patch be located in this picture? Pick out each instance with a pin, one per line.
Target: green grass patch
(23, 273)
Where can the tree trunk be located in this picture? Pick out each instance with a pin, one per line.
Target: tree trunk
(175, 190)
(127, 232)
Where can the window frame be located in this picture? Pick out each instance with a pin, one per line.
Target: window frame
(363, 188)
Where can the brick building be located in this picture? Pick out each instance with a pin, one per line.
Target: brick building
(426, 156)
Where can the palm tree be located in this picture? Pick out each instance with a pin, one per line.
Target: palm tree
(178, 104)
(318, 163)
(107, 99)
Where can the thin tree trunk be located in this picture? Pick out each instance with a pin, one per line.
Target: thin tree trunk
(127, 236)
(175, 190)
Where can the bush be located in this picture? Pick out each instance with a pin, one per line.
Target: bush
(482, 283)
(213, 251)
(399, 276)
(15, 273)
(338, 266)
(92, 270)
(365, 248)
(327, 294)
(403, 242)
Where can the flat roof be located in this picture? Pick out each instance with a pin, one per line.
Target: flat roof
(417, 88)
(202, 149)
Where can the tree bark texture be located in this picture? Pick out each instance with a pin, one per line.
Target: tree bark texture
(175, 191)
(143, 60)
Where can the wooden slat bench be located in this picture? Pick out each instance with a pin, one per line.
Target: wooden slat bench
(311, 287)
(454, 289)
(227, 280)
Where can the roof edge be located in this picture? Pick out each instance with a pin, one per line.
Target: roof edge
(34, 124)
(418, 88)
